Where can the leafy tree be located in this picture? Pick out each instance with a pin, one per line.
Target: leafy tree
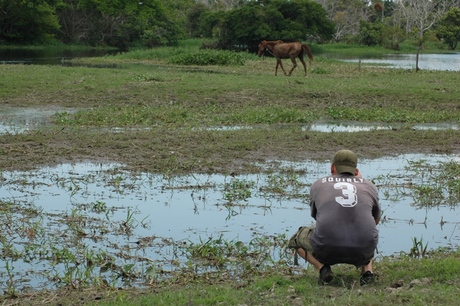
(241, 27)
(23, 21)
(74, 23)
(97, 22)
(370, 33)
(245, 26)
(194, 16)
(120, 23)
(392, 36)
(211, 24)
(162, 25)
(303, 18)
(449, 28)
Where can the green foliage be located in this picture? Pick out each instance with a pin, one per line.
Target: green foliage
(370, 33)
(243, 27)
(377, 114)
(236, 25)
(211, 24)
(392, 36)
(449, 28)
(28, 22)
(238, 190)
(271, 115)
(450, 176)
(194, 16)
(418, 249)
(93, 22)
(209, 57)
(439, 184)
(303, 18)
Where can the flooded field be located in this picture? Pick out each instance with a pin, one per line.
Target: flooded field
(94, 223)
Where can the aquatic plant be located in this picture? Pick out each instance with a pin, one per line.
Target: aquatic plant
(418, 249)
(238, 190)
(436, 184)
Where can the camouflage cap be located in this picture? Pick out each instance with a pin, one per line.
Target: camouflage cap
(345, 161)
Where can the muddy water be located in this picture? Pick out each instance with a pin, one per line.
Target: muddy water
(20, 120)
(191, 209)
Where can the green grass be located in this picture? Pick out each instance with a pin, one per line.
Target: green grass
(146, 94)
(408, 281)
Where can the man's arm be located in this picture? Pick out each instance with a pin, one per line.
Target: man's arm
(313, 210)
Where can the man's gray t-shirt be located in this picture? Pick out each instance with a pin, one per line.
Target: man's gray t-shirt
(345, 208)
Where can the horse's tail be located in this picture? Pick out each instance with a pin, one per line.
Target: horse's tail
(307, 50)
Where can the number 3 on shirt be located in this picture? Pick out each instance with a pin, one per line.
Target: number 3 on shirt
(349, 197)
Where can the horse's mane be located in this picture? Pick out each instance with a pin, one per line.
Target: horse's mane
(275, 42)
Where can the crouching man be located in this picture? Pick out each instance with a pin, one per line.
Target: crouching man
(346, 209)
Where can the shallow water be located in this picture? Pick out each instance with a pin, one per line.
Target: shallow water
(20, 120)
(48, 56)
(14, 120)
(369, 126)
(191, 209)
(443, 62)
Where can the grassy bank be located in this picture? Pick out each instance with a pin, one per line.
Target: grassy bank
(407, 280)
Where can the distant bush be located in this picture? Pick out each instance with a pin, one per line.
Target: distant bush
(209, 57)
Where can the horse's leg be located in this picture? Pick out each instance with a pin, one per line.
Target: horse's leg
(304, 65)
(278, 62)
(294, 64)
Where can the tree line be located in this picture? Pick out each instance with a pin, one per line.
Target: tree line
(232, 24)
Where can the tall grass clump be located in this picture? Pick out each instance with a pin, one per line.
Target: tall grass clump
(209, 57)
(159, 53)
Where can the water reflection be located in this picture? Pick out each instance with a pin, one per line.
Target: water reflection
(19, 120)
(48, 56)
(366, 126)
(444, 61)
(195, 207)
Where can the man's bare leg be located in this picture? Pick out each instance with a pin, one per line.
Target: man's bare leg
(308, 257)
(367, 276)
(366, 268)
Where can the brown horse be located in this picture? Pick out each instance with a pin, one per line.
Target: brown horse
(280, 50)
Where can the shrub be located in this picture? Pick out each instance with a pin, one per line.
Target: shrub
(209, 57)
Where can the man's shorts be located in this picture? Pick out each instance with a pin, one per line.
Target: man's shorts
(301, 239)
